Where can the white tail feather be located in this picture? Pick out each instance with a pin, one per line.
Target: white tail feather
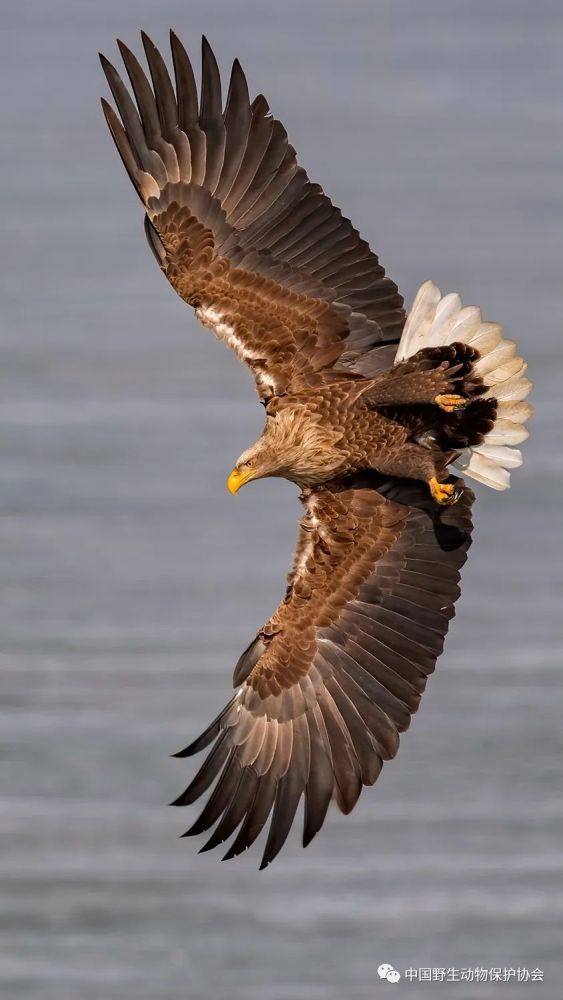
(516, 411)
(418, 325)
(434, 321)
(507, 432)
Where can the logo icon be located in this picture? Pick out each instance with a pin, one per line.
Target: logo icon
(386, 971)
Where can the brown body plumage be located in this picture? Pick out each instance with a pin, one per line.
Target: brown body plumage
(365, 411)
(341, 426)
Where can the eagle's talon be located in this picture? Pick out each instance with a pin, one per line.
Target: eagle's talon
(444, 493)
(450, 402)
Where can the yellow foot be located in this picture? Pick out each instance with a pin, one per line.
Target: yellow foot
(444, 493)
(450, 402)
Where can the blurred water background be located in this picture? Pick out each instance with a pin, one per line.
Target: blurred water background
(130, 580)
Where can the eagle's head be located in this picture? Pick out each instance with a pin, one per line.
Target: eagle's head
(293, 445)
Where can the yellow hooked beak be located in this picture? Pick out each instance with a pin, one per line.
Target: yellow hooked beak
(238, 479)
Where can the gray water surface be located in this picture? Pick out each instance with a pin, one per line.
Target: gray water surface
(131, 580)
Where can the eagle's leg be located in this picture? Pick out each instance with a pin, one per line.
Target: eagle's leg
(414, 461)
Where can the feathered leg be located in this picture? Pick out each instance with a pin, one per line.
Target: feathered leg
(415, 461)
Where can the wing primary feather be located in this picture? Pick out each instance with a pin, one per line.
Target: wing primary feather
(346, 766)
(235, 812)
(167, 109)
(320, 782)
(211, 116)
(256, 816)
(288, 793)
(360, 736)
(124, 148)
(143, 94)
(188, 113)
(163, 89)
(206, 774)
(186, 90)
(147, 158)
(220, 798)
(210, 110)
(237, 119)
(237, 95)
(127, 110)
(208, 734)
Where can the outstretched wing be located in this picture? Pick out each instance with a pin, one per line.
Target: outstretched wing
(240, 231)
(334, 676)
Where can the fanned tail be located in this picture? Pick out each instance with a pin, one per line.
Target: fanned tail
(436, 321)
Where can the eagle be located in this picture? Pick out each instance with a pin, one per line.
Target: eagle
(373, 414)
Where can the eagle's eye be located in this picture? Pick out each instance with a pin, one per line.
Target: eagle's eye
(249, 464)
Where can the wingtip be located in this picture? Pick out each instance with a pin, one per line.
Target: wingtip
(308, 836)
(233, 852)
(207, 53)
(109, 70)
(109, 113)
(127, 54)
(210, 70)
(177, 47)
(208, 846)
(149, 46)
